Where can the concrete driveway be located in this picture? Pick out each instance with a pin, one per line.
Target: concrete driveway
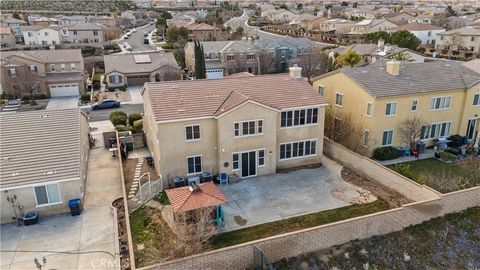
(135, 94)
(61, 103)
(270, 198)
(89, 237)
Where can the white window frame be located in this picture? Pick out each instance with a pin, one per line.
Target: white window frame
(337, 94)
(291, 149)
(63, 68)
(73, 67)
(414, 103)
(53, 68)
(432, 102)
(366, 135)
(193, 133)
(391, 138)
(369, 111)
(293, 125)
(13, 72)
(236, 161)
(48, 198)
(240, 128)
(201, 164)
(438, 126)
(258, 158)
(478, 99)
(390, 112)
(33, 69)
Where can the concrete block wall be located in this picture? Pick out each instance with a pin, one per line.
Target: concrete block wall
(375, 171)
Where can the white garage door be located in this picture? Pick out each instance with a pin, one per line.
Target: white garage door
(64, 90)
(214, 73)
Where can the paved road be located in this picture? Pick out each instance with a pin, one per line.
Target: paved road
(100, 115)
(136, 39)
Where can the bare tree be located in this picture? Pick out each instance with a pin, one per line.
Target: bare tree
(410, 130)
(265, 62)
(23, 81)
(171, 75)
(342, 128)
(313, 64)
(112, 33)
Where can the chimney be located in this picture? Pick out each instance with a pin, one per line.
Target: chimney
(380, 43)
(296, 72)
(393, 67)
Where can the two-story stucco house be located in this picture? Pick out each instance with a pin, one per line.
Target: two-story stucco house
(247, 125)
(43, 171)
(56, 72)
(84, 33)
(465, 41)
(427, 33)
(370, 26)
(41, 35)
(444, 95)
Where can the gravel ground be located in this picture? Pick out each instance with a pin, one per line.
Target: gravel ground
(451, 242)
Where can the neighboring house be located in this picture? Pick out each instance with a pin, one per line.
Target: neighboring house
(105, 20)
(427, 33)
(137, 69)
(336, 26)
(303, 19)
(473, 65)
(41, 35)
(465, 40)
(16, 26)
(399, 18)
(84, 33)
(180, 20)
(44, 161)
(71, 20)
(7, 38)
(202, 32)
(314, 24)
(128, 16)
(244, 55)
(427, 19)
(376, 52)
(59, 72)
(248, 125)
(370, 26)
(360, 13)
(445, 95)
(281, 16)
(43, 21)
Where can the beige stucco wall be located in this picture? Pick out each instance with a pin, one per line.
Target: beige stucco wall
(456, 40)
(26, 198)
(355, 102)
(107, 80)
(85, 34)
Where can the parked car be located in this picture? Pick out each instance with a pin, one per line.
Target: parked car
(145, 34)
(126, 37)
(145, 41)
(105, 104)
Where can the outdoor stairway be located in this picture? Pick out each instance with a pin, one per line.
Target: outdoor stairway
(136, 179)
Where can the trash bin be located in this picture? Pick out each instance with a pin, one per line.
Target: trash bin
(113, 141)
(130, 146)
(75, 206)
(30, 218)
(421, 147)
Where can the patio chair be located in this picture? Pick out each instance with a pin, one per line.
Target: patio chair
(407, 152)
(223, 178)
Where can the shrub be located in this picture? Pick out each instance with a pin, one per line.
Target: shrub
(121, 128)
(118, 118)
(386, 153)
(403, 169)
(40, 107)
(134, 117)
(446, 156)
(85, 97)
(138, 125)
(41, 96)
(115, 113)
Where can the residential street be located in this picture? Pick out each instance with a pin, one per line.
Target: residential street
(100, 115)
(136, 39)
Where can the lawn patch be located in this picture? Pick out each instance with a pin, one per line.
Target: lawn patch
(296, 223)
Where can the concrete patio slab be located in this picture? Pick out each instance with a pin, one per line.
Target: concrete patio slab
(270, 198)
(61, 103)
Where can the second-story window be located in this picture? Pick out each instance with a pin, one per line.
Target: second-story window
(369, 109)
(250, 56)
(95, 32)
(73, 67)
(339, 100)
(30, 34)
(230, 57)
(391, 108)
(12, 72)
(46, 34)
(75, 32)
(52, 67)
(414, 105)
(321, 90)
(299, 117)
(33, 69)
(246, 128)
(192, 132)
(62, 67)
(476, 100)
(440, 103)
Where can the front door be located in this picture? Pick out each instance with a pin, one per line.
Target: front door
(472, 123)
(249, 163)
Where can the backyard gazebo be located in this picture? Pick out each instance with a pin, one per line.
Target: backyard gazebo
(193, 197)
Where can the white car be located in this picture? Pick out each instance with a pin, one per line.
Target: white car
(134, 30)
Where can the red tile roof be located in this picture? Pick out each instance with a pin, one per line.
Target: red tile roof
(174, 100)
(183, 200)
(200, 27)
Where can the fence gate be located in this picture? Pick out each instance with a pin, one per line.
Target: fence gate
(260, 260)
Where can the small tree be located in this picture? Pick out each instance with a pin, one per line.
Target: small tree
(200, 69)
(313, 64)
(402, 56)
(283, 6)
(375, 36)
(24, 82)
(410, 130)
(405, 39)
(349, 58)
(266, 61)
(343, 128)
(239, 31)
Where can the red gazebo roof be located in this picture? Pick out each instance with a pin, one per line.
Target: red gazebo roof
(183, 200)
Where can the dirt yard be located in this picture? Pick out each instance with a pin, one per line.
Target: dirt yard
(129, 166)
(393, 198)
(121, 96)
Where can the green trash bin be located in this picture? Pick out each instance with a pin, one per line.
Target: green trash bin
(130, 146)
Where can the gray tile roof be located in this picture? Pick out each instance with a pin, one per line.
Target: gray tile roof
(465, 31)
(32, 145)
(47, 56)
(413, 78)
(86, 26)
